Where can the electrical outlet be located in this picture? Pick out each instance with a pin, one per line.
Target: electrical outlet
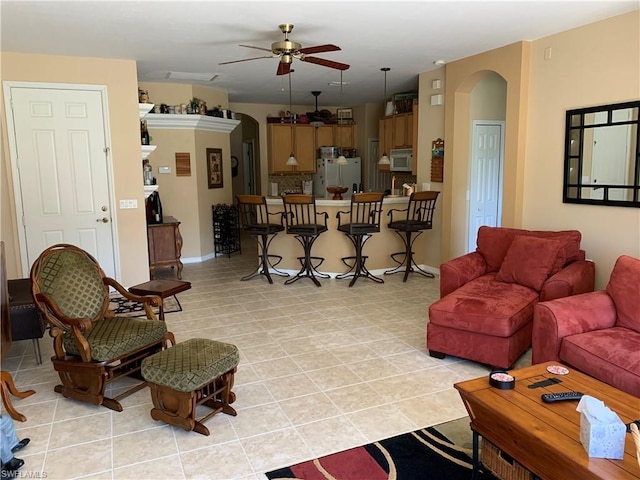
(128, 204)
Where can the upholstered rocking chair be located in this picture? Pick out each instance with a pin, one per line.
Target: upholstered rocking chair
(92, 346)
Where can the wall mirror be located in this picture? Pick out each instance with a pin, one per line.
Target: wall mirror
(602, 156)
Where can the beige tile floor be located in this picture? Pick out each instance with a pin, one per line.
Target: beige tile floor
(321, 370)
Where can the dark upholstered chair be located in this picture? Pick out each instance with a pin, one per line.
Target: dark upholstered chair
(415, 219)
(363, 221)
(6, 380)
(302, 220)
(92, 347)
(257, 222)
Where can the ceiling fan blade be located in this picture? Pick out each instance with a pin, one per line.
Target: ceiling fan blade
(320, 48)
(257, 48)
(283, 68)
(326, 63)
(245, 60)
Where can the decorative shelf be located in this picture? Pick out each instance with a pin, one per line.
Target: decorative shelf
(191, 122)
(146, 150)
(145, 108)
(149, 189)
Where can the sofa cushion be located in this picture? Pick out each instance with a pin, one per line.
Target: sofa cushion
(610, 355)
(529, 261)
(486, 306)
(623, 288)
(494, 242)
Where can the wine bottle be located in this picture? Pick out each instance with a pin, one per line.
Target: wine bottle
(144, 133)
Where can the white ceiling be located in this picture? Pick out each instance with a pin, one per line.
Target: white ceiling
(194, 36)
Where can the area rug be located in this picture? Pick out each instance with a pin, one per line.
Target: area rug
(126, 308)
(425, 454)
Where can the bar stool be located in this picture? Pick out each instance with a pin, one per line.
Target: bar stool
(256, 221)
(364, 220)
(418, 218)
(301, 220)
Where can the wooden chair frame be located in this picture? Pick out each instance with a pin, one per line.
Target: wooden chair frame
(83, 378)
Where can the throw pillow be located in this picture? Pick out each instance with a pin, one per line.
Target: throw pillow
(529, 261)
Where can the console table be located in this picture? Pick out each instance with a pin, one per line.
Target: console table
(165, 246)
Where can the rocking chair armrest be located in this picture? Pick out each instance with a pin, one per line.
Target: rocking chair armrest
(154, 300)
(59, 319)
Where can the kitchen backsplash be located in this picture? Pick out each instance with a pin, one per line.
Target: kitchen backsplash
(293, 183)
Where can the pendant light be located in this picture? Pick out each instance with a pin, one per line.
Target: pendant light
(291, 161)
(341, 159)
(384, 159)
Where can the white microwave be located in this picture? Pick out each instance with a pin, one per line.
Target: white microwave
(401, 160)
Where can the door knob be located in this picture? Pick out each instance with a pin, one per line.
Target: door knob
(103, 220)
(104, 208)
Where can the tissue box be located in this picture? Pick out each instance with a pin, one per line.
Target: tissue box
(602, 440)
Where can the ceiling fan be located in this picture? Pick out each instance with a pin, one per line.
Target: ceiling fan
(287, 50)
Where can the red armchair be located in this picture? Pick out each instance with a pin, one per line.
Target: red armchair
(598, 332)
(485, 311)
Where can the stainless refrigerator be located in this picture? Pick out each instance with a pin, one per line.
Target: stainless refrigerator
(329, 173)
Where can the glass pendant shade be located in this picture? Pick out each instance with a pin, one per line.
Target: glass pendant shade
(342, 160)
(291, 161)
(384, 160)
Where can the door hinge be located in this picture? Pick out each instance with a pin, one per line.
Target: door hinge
(106, 150)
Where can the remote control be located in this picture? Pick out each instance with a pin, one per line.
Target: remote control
(561, 397)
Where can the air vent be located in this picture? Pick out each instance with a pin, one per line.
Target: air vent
(197, 77)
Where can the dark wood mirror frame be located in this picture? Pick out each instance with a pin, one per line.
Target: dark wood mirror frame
(602, 155)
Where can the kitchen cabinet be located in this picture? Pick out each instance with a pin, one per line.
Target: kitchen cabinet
(402, 128)
(280, 145)
(165, 246)
(324, 136)
(335, 136)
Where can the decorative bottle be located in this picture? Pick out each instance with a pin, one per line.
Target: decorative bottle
(147, 172)
(144, 133)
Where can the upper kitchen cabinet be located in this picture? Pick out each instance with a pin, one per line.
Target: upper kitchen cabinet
(281, 144)
(342, 136)
(402, 127)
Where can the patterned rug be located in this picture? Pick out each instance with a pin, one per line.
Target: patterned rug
(126, 308)
(425, 454)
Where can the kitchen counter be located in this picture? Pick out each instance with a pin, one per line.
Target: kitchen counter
(333, 245)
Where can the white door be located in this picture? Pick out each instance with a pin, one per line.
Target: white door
(61, 180)
(485, 192)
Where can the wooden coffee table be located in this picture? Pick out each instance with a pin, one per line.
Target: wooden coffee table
(545, 438)
(162, 288)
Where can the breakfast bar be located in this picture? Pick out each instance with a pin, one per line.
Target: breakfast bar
(333, 245)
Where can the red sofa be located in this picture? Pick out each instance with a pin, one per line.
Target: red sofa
(597, 333)
(485, 311)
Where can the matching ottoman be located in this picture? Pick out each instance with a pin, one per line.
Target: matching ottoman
(196, 372)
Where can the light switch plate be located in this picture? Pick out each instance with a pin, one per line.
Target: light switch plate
(129, 203)
(164, 169)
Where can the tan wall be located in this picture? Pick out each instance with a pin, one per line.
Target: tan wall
(121, 80)
(189, 199)
(512, 64)
(596, 64)
(430, 128)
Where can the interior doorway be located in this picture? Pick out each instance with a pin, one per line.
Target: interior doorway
(62, 175)
(486, 178)
(249, 167)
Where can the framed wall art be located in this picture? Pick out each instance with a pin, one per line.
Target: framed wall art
(214, 167)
